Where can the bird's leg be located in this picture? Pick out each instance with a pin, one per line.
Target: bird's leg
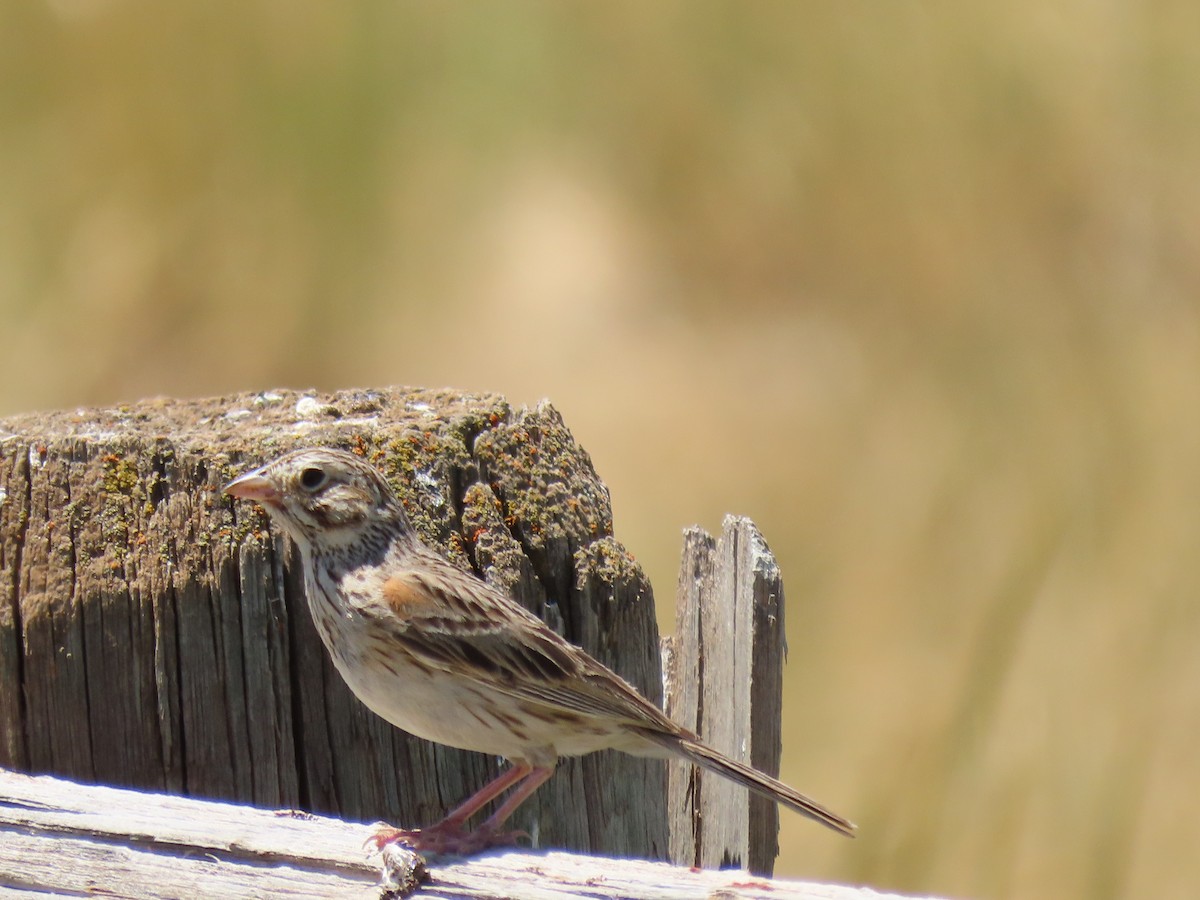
(489, 830)
(449, 835)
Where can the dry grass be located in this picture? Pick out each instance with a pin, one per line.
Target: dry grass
(912, 285)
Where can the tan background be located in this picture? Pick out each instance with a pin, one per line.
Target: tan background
(911, 284)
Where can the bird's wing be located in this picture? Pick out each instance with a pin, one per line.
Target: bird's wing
(465, 626)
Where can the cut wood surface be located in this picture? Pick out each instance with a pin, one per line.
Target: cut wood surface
(63, 839)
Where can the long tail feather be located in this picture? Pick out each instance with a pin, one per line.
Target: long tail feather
(753, 779)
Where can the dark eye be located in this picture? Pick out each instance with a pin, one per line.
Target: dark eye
(312, 478)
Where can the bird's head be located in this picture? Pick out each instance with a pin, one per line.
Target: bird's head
(324, 498)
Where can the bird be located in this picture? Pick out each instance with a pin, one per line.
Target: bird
(439, 653)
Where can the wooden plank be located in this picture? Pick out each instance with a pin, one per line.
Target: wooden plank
(726, 677)
(682, 666)
(760, 601)
(68, 839)
(60, 839)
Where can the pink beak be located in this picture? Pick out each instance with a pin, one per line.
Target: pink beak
(253, 486)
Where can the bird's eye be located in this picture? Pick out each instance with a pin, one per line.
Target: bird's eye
(312, 478)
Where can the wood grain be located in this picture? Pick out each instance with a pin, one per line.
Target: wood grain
(58, 838)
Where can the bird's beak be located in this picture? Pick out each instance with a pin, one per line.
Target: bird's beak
(254, 486)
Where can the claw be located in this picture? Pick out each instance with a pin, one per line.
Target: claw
(386, 834)
(453, 840)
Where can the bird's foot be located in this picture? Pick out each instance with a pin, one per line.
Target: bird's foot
(444, 837)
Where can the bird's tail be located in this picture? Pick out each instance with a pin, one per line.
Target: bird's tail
(751, 778)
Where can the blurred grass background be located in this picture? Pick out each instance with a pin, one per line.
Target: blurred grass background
(912, 285)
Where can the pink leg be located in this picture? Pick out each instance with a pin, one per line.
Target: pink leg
(485, 795)
(448, 835)
(536, 778)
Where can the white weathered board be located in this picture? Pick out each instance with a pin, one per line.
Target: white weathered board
(58, 838)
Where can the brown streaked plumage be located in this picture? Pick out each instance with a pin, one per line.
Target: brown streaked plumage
(443, 655)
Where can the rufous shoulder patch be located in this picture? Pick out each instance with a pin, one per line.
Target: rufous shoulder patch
(408, 597)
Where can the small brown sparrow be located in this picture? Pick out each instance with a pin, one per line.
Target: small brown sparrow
(443, 655)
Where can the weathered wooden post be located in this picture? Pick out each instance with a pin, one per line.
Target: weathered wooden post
(153, 636)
